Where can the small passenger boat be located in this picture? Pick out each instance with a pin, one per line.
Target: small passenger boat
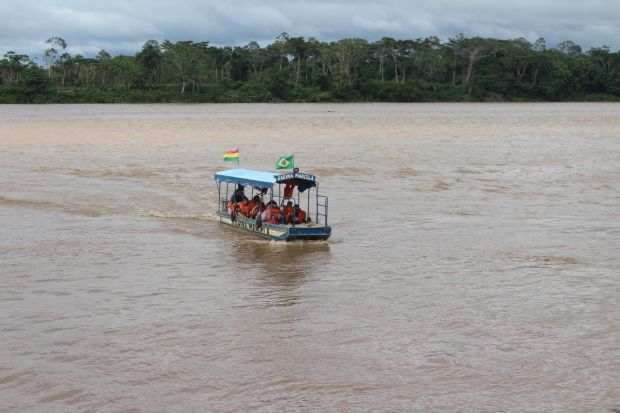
(281, 200)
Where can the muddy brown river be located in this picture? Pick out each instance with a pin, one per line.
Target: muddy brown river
(474, 264)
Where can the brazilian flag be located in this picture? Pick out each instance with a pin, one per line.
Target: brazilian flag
(285, 162)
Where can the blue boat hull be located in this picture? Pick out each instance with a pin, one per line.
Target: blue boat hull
(277, 232)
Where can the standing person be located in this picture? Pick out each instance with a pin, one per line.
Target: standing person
(238, 195)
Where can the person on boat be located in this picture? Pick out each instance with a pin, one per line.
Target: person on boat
(260, 209)
(234, 209)
(257, 209)
(287, 212)
(272, 213)
(245, 207)
(299, 216)
(265, 213)
(275, 213)
(238, 195)
(255, 201)
(231, 207)
(288, 188)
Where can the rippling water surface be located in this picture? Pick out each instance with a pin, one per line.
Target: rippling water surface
(474, 263)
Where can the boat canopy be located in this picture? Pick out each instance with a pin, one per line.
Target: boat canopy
(249, 177)
(302, 180)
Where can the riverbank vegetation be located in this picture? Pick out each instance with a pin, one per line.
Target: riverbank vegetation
(294, 69)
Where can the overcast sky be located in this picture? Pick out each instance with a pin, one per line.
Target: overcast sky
(123, 26)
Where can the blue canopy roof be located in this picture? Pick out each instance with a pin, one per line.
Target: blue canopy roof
(247, 177)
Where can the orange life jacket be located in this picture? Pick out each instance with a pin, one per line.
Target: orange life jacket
(274, 215)
(288, 188)
(246, 209)
(301, 216)
(288, 214)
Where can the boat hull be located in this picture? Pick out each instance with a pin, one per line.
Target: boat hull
(277, 232)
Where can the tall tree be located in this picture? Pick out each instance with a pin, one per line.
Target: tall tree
(56, 43)
(150, 57)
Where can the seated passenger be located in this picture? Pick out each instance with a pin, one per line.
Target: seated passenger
(276, 213)
(258, 208)
(299, 216)
(288, 213)
(234, 209)
(265, 213)
(260, 211)
(255, 201)
(272, 214)
(245, 207)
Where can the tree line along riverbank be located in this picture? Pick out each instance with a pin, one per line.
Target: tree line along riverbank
(295, 69)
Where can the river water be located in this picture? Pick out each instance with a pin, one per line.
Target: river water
(474, 264)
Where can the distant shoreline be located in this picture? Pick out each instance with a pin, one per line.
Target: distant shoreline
(294, 69)
(94, 97)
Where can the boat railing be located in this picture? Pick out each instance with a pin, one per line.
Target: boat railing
(321, 210)
(322, 206)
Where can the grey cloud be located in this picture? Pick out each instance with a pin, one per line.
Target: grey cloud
(122, 26)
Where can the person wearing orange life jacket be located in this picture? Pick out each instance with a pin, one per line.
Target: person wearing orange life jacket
(255, 201)
(288, 188)
(233, 207)
(299, 216)
(273, 213)
(257, 209)
(287, 212)
(254, 205)
(244, 207)
(276, 215)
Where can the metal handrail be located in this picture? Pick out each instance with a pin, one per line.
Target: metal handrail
(325, 208)
(322, 208)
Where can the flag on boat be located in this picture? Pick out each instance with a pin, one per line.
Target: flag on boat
(232, 155)
(285, 162)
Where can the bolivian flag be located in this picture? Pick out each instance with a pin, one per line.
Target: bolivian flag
(285, 162)
(232, 155)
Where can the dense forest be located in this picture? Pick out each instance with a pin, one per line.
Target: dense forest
(294, 69)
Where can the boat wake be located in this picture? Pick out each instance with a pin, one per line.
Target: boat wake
(97, 211)
(51, 206)
(154, 213)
